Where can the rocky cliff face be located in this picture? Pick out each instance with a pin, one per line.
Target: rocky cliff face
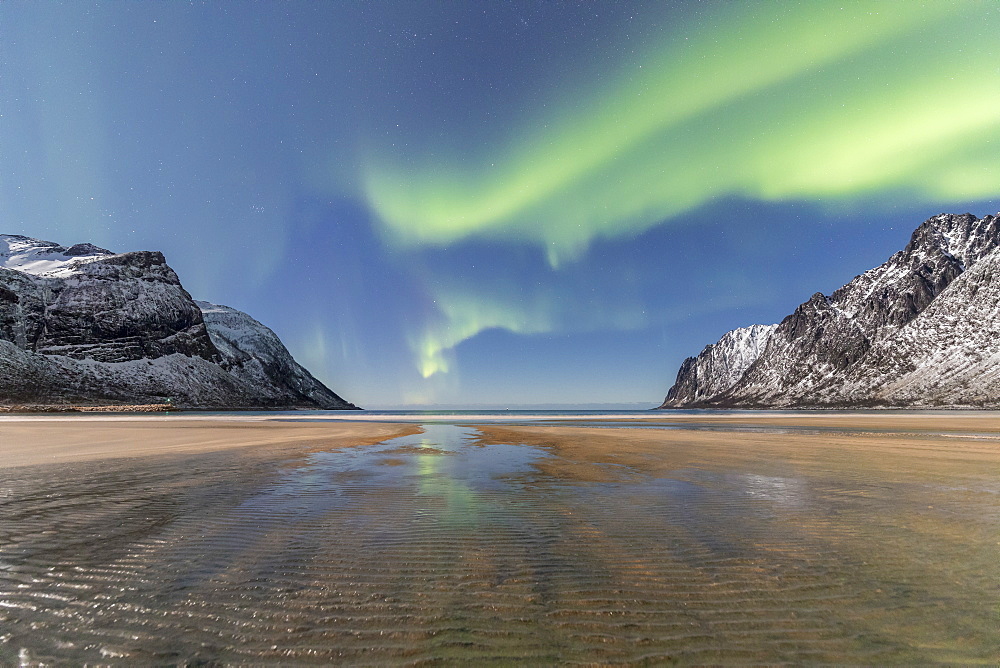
(83, 324)
(255, 355)
(720, 365)
(914, 331)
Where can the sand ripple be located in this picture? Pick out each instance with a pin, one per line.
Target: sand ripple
(432, 549)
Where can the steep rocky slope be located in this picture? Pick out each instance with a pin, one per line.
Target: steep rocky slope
(720, 365)
(83, 324)
(914, 331)
(255, 355)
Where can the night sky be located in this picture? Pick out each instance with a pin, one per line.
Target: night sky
(499, 203)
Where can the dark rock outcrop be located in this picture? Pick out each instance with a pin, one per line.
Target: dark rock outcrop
(121, 307)
(84, 325)
(876, 339)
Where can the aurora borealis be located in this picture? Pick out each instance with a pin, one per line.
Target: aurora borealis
(659, 140)
(501, 203)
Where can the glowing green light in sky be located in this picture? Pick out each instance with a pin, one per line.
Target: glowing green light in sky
(819, 100)
(468, 309)
(464, 316)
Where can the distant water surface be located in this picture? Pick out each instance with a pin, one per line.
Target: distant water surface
(438, 548)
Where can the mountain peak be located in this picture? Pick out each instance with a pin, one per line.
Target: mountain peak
(46, 258)
(875, 339)
(84, 325)
(962, 236)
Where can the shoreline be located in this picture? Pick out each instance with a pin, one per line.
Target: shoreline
(45, 440)
(78, 408)
(28, 409)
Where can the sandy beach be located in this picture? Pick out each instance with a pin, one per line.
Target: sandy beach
(740, 538)
(27, 440)
(33, 440)
(935, 445)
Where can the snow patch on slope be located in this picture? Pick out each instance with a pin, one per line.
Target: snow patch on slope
(45, 258)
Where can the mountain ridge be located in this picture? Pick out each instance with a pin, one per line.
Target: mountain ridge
(876, 336)
(83, 324)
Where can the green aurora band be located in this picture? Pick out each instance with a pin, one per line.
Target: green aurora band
(470, 309)
(829, 102)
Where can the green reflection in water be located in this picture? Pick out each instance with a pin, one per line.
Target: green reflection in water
(458, 480)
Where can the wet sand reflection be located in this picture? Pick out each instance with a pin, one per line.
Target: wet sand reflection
(513, 544)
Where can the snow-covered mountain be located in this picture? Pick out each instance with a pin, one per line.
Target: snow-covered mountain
(44, 258)
(720, 365)
(85, 325)
(919, 330)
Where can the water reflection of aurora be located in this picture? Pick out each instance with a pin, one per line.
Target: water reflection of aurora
(454, 476)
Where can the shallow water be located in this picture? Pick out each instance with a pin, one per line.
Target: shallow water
(436, 549)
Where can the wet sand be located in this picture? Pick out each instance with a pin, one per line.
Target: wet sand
(906, 445)
(888, 421)
(30, 441)
(832, 539)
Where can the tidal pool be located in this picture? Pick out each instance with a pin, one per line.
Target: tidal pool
(461, 546)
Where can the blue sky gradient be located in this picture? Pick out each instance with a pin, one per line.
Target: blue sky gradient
(499, 203)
